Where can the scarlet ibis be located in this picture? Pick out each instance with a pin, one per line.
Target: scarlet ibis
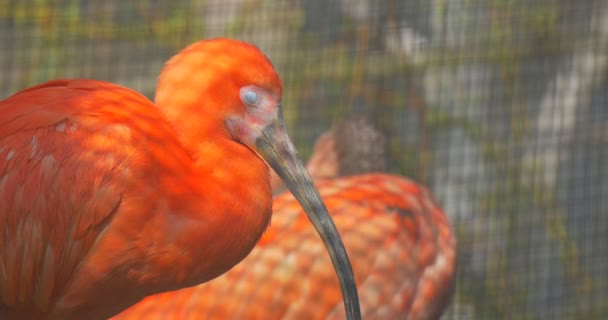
(401, 245)
(106, 197)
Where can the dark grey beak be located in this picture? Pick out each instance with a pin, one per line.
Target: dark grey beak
(278, 151)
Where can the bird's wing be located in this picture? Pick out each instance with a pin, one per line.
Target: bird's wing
(64, 146)
(399, 241)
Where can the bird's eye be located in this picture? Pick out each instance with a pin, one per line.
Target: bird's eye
(250, 97)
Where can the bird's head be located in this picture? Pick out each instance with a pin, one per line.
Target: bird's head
(241, 93)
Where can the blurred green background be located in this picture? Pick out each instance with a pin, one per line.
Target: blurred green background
(499, 106)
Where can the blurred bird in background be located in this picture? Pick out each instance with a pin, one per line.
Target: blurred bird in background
(399, 241)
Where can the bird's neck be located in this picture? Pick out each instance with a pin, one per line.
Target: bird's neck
(230, 183)
(233, 186)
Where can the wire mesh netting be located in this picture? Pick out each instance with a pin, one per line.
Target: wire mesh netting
(499, 107)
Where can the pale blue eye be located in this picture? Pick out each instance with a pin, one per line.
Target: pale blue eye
(250, 97)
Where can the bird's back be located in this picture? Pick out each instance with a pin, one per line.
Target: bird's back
(66, 152)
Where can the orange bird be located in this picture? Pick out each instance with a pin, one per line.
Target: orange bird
(400, 242)
(106, 198)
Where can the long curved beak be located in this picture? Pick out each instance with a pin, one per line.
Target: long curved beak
(278, 151)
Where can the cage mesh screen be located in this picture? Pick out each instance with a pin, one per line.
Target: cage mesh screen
(499, 107)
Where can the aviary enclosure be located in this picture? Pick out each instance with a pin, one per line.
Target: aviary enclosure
(500, 107)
